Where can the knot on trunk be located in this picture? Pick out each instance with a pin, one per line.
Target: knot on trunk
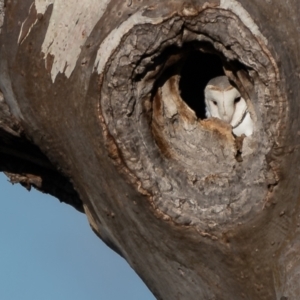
(193, 169)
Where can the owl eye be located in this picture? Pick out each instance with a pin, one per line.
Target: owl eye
(237, 99)
(214, 102)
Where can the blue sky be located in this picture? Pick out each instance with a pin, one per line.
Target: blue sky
(49, 252)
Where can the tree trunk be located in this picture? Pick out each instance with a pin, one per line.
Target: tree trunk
(101, 105)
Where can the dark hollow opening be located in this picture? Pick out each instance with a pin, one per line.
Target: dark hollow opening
(196, 71)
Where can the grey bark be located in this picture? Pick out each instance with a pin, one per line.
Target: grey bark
(91, 111)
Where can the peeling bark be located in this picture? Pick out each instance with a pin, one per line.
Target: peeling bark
(93, 111)
(24, 163)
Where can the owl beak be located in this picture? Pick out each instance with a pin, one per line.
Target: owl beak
(227, 118)
(226, 110)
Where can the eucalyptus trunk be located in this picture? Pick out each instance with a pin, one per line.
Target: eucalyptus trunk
(101, 105)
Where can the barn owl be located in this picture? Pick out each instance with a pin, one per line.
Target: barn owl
(224, 101)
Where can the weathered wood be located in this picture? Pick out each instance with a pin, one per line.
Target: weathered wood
(92, 91)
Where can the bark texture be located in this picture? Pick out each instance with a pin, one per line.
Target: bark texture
(92, 110)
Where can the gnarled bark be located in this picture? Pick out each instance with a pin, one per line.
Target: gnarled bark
(99, 110)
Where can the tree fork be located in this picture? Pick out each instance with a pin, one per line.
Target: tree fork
(98, 96)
